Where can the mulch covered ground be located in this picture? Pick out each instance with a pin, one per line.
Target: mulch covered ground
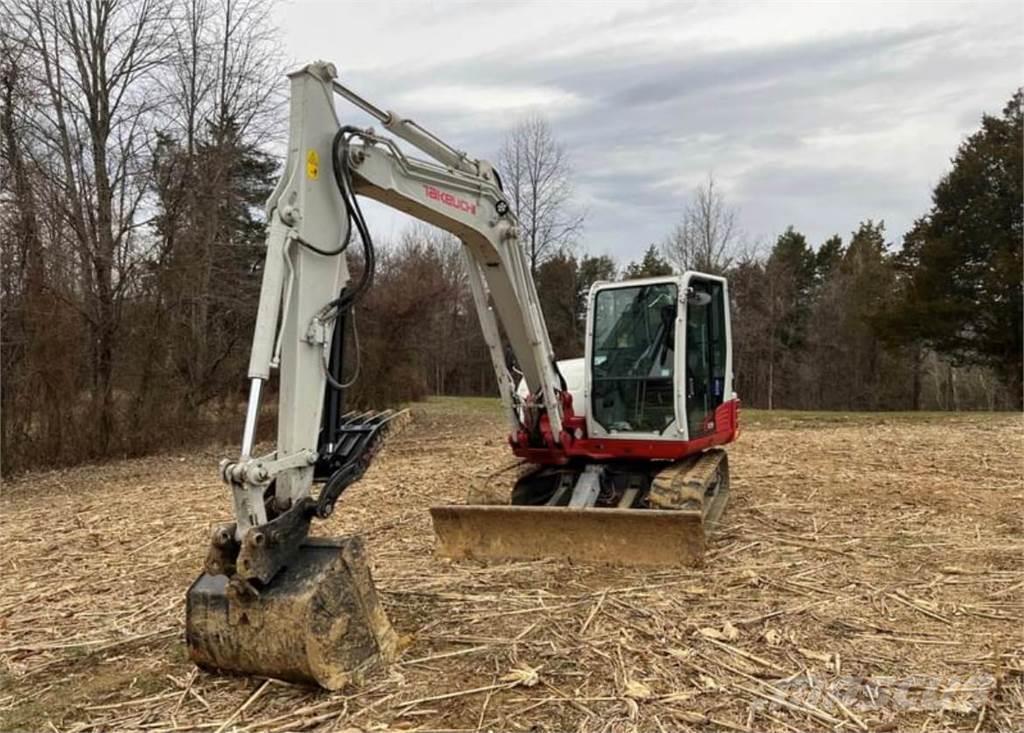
(867, 576)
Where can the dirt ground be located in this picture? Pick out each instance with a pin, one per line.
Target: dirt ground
(867, 576)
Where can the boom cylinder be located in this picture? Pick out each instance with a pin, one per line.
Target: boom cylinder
(412, 133)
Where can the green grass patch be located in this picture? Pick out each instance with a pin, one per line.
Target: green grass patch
(749, 418)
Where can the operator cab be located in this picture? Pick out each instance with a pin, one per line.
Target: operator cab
(658, 357)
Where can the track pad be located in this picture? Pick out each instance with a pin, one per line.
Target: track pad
(319, 621)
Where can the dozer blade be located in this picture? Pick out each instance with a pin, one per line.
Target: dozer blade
(688, 497)
(603, 536)
(318, 621)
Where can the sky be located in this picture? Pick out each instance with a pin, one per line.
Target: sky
(817, 115)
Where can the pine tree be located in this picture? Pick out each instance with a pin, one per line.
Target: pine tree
(591, 269)
(652, 265)
(211, 228)
(867, 278)
(556, 289)
(962, 261)
(827, 258)
(790, 271)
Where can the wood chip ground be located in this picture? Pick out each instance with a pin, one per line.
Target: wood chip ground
(867, 576)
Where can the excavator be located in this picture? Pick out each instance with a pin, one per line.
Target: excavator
(618, 455)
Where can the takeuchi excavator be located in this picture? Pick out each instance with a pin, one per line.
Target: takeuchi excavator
(617, 454)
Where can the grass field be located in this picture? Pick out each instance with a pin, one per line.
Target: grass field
(867, 576)
(751, 417)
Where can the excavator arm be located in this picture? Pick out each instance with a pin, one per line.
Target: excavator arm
(264, 578)
(306, 286)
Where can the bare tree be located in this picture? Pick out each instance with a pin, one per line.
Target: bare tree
(706, 237)
(210, 177)
(96, 60)
(23, 265)
(536, 174)
(132, 178)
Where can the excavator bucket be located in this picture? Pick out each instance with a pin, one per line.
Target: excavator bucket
(681, 505)
(318, 621)
(281, 604)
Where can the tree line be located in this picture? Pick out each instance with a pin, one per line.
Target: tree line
(135, 157)
(854, 323)
(134, 138)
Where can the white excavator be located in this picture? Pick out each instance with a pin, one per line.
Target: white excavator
(618, 456)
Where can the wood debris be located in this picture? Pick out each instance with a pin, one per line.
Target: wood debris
(867, 576)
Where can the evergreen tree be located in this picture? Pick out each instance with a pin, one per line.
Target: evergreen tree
(652, 265)
(792, 264)
(790, 272)
(867, 280)
(563, 286)
(211, 232)
(556, 281)
(594, 269)
(591, 270)
(827, 258)
(963, 261)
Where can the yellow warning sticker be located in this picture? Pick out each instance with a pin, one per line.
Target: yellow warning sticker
(312, 165)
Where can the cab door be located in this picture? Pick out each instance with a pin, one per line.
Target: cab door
(706, 368)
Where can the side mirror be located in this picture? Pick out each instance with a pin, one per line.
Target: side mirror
(697, 297)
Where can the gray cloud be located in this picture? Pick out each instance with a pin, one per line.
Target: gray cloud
(815, 116)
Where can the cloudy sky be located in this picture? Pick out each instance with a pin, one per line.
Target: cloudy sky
(816, 114)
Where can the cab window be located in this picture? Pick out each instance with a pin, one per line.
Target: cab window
(632, 358)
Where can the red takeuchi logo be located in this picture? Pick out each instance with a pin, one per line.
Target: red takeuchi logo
(449, 200)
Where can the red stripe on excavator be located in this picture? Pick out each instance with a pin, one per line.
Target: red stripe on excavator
(726, 430)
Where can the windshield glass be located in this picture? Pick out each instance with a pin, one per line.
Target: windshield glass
(632, 357)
